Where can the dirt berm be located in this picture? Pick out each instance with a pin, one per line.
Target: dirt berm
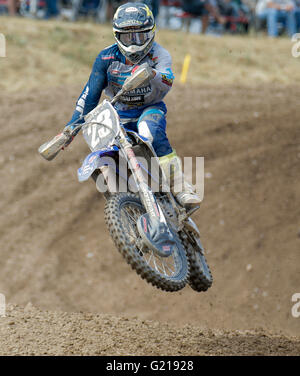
(57, 255)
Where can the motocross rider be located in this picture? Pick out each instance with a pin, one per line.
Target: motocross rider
(141, 110)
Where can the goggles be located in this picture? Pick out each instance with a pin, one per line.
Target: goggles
(138, 39)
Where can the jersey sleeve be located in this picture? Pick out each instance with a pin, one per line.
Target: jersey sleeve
(164, 77)
(91, 93)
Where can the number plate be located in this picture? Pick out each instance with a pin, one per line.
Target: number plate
(104, 128)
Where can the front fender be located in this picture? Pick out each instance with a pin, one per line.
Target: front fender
(95, 160)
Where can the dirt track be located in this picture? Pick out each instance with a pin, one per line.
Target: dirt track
(56, 252)
(31, 331)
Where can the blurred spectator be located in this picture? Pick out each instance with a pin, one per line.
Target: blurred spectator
(203, 8)
(12, 7)
(297, 14)
(51, 9)
(112, 7)
(242, 8)
(153, 5)
(229, 10)
(237, 15)
(245, 11)
(274, 11)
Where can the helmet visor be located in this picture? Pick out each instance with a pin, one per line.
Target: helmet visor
(138, 39)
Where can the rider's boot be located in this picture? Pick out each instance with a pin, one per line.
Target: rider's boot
(182, 190)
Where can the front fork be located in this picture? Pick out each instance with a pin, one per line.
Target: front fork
(146, 195)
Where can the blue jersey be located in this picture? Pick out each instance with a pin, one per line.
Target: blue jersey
(109, 73)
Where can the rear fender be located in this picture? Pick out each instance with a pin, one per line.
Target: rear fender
(94, 161)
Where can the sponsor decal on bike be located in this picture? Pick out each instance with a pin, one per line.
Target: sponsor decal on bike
(86, 169)
(145, 224)
(92, 158)
(133, 160)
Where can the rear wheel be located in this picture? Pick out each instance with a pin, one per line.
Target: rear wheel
(200, 278)
(167, 273)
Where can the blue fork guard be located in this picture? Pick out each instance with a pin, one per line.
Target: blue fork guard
(95, 160)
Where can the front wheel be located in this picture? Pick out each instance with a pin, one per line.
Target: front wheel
(167, 273)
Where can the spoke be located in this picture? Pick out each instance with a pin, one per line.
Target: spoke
(166, 262)
(131, 218)
(167, 269)
(149, 259)
(164, 269)
(162, 265)
(170, 270)
(156, 267)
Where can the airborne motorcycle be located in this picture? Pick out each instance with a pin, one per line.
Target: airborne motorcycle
(152, 231)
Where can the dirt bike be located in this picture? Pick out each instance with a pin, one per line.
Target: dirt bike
(153, 232)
